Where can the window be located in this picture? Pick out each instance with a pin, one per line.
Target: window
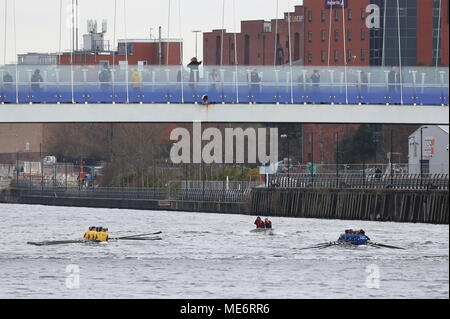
(310, 14)
(322, 15)
(349, 56)
(297, 46)
(350, 14)
(323, 36)
(336, 15)
(310, 36)
(336, 56)
(323, 56)
(349, 35)
(363, 34)
(363, 13)
(336, 36)
(123, 46)
(247, 50)
(310, 57)
(363, 55)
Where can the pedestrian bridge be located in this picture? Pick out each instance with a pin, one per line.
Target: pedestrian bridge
(416, 95)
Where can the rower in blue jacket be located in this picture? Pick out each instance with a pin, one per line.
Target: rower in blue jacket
(354, 237)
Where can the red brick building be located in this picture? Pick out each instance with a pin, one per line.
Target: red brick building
(317, 35)
(146, 52)
(318, 39)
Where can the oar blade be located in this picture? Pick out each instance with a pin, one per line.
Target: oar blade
(386, 246)
(141, 235)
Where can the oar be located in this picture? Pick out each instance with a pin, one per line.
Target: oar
(385, 246)
(142, 239)
(323, 245)
(143, 235)
(51, 243)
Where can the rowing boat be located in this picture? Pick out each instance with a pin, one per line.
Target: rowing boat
(142, 237)
(343, 243)
(68, 242)
(269, 231)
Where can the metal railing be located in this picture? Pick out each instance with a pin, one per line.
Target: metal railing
(108, 193)
(360, 181)
(212, 195)
(224, 85)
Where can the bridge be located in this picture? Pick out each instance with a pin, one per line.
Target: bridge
(235, 113)
(284, 94)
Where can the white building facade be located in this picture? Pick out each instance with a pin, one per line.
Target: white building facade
(429, 145)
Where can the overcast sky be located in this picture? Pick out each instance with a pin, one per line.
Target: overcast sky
(38, 21)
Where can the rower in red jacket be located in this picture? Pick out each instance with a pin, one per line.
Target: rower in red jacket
(267, 223)
(259, 223)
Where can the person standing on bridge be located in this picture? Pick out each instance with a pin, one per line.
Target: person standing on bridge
(315, 79)
(7, 81)
(36, 80)
(193, 66)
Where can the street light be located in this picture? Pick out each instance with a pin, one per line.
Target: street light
(421, 153)
(285, 137)
(196, 41)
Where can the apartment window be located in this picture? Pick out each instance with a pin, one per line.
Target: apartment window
(323, 36)
(310, 36)
(349, 56)
(322, 15)
(363, 55)
(336, 56)
(349, 35)
(323, 56)
(310, 16)
(363, 34)
(336, 36)
(310, 57)
(350, 14)
(363, 13)
(336, 15)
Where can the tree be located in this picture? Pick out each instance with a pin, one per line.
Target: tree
(358, 147)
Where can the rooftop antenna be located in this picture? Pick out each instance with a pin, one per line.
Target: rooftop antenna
(104, 26)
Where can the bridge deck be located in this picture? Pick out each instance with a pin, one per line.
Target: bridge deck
(236, 113)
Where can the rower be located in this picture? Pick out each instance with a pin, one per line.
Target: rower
(267, 223)
(259, 223)
(102, 235)
(363, 234)
(89, 235)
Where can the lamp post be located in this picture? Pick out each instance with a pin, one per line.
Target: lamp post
(285, 137)
(421, 153)
(337, 159)
(196, 41)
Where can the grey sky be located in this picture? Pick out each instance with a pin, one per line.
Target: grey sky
(38, 21)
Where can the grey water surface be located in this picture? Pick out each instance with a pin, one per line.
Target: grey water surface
(214, 256)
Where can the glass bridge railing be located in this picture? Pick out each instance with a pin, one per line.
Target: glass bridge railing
(26, 84)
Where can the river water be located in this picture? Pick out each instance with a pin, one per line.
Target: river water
(214, 256)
